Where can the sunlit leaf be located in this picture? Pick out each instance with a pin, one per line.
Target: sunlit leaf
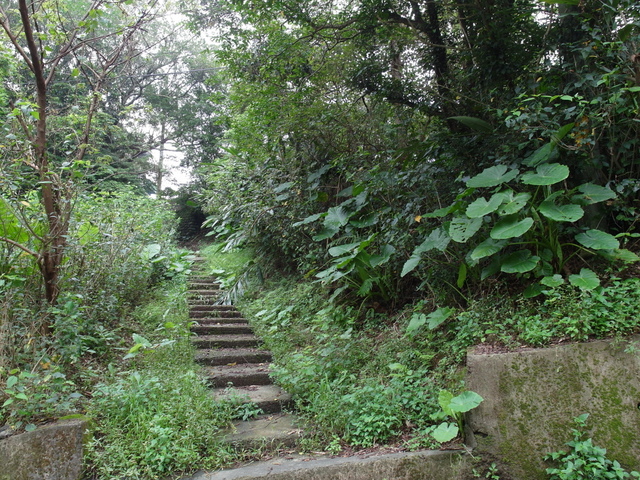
(561, 213)
(511, 227)
(462, 229)
(445, 432)
(492, 176)
(552, 280)
(546, 174)
(586, 279)
(598, 240)
(513, 203)
(591, 193)
(481, 207)
(465, 401)
(487, 248)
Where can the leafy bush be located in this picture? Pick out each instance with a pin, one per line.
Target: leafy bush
(584, 460)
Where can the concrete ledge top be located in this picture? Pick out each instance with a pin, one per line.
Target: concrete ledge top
(423, 465)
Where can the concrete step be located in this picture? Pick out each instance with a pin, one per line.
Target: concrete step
(195, 285)
(220, 310)
(269, 398)
(228, 356)
(212, 308)
(226, 341)
(421, 465)
(269, 431)
(240, 375)
(217, 320)
(203, 292)
(222, 329)
(202, 313)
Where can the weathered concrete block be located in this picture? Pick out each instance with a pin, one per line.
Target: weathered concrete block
(52, 452)
(531, 398)
(426, 465)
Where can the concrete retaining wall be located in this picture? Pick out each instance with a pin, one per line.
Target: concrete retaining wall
(531, 398)
(51, 452)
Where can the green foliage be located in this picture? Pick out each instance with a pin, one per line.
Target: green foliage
(584, 460)
(453, 407)
(516, 216)
(30, 397)
(151, 424)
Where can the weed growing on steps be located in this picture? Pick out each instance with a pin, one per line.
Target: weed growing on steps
(157, 416)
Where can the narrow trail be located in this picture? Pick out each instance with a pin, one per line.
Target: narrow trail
(237, 367)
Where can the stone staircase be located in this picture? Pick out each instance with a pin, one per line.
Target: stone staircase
(237, 367)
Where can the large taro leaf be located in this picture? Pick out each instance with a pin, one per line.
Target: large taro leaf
(598, 240)
(487, 248)
(438, 239)
(465, 401)
(475, 123)
(591, 193)
(561, 213)
(462, 229)
(519, 262)
(513, 203)
(546, 174)
(481, 207)
(445, 432)
(492, 176)
(586, 279)
(510, 227)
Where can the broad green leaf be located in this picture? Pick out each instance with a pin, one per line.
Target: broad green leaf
(513, 203)
(437, 317)
(519, 262)
(586, 279)
(540, 156)
(410, 265)
(441, 212)
(562, 132)
(465, 401)
(11, 381)
(474, 123)
(462, 275)
(598, 240)
(139, 339)
(150, 251)
(487, 248)
(561, 213)
(510, 227)
(546, 174)
(445, 432)
(342, 249)
(620, 254)
(481, 207)
(532, 290)
(591, 193)
(365, 221)
(552, 280)
(309, 219)
(383, 257)
(326, 232)
(438, 239)
(336, 216)
(416, 322)
(462, 229)
(444, 399)
(492, 176)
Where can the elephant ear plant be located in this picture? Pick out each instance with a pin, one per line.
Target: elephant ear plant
(453, 408)
(523, 222)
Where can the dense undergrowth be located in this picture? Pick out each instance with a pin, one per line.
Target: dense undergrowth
(363, 377)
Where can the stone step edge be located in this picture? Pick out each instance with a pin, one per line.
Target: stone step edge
(424, 465)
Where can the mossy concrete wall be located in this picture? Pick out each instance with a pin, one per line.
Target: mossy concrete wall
(51, 452)
(531, 398)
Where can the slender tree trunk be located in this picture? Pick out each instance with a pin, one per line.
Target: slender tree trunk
(160, 166)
